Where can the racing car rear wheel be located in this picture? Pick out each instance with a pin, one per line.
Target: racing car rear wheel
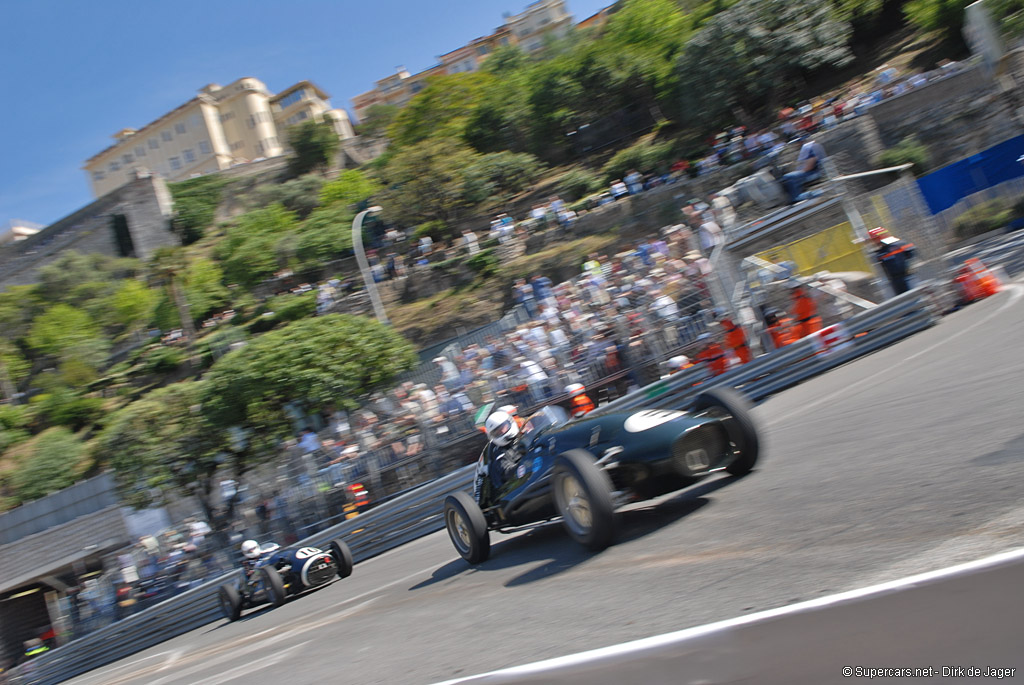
(273, 584)
(735, 409)
(583, 495)
(342, 557)
(467, 527)
(230, 602)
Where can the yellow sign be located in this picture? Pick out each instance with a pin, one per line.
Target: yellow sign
(830, 250)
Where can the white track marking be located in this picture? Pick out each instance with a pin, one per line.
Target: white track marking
(246, 669)
(105, 676)
(628, 648)
(1016, 292)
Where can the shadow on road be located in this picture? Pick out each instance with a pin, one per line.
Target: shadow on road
(550, 543)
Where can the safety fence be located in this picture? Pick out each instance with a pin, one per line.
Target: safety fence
(418, 512)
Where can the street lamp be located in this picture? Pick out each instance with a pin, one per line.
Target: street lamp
(364, 265)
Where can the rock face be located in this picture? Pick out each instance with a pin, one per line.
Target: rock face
(132, 221)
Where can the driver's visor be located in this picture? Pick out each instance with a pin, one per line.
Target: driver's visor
(500, 430)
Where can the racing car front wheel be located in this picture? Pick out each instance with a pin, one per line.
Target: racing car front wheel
(342, 557)
(735, 411)
(273, 584)
(467, 527)
(583, 495)
(230, 602)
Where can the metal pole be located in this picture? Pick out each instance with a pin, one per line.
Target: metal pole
(364, 265)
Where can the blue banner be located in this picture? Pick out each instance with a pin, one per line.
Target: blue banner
(944, 188)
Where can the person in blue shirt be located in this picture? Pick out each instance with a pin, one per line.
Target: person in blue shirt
(809, 167)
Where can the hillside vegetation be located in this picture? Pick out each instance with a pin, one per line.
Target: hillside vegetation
(197, 359)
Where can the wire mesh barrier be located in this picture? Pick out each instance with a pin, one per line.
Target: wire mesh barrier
(418, 512)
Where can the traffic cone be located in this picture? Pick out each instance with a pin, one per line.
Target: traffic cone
(986, 282)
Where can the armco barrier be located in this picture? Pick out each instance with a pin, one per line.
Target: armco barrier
(418, 512)
(960, 622)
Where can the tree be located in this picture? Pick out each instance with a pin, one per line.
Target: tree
(349, 188)
(325, 235)
(428, 181)
(195, 205)
(132, 305)
(754, 55)
(67, 333)
(378, 119)
(163, 443)
(49, 463)
(939, 15)
(441, 110)
(315, 363)
(300, 195)
(166, 267)
(248, 254)
(204, 288)
(313, 146)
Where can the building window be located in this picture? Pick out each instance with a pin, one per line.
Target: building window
(165, 135)
(190, 156)
(292, 98)
(227, 116)
(504, 40)
(416, 87)
(98, 175)
(179, 128)
(270, 143)
(251, 122)
(127, 159)
(153, 143)
(259, 149)
(194, 121)
(140, 151)
(482, 50)
(237, 145)
(204, 147)
(115, 166)
(175, 163)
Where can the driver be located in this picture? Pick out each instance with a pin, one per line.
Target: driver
(503, 432)
(253, 553)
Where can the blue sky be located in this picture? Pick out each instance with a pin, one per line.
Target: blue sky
(73, 73)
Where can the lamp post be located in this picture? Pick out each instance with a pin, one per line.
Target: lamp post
(364, 265)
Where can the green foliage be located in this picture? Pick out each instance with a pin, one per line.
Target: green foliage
(644, 157)
(195, 204)
(204, 289)
(162, 359)
(13, 363)
(1010, 15)
(441, 110)
(434, 229)
(299, 195)
(502, 173)
(378, 119)
(62, 406)
(313, 146)
(163, 442)
(68, 333)
(248, 253)
(755, 54)
(283, 309)
(318, 362)
(579, 183)
(988, 216)
(325, 235)
(349, 188)
(484, 263)
(165, 315)
(14, 421)
(428, 181)
(132, 304)
(19, 304)
(911, 150)
(51, 464)
(938, 15)
(75, 278)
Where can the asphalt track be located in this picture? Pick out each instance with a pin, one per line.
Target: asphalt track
(908, 460)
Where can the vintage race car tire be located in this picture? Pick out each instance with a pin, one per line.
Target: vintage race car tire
(230, 602)
(467, 527)
(342, 557)
(741, 426)
(274, 585)
(583, 497)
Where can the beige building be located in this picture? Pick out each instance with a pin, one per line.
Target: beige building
(527, 30)
(17, 230)
(221, 127)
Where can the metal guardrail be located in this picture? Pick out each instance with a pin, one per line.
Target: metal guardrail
(418, 512)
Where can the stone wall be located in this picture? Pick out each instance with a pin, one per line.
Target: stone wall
(146, 206)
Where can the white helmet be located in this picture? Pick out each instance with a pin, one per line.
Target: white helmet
(575, 389)
(678, 362)
(510, 409)
(501, 428)
(251, 549)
